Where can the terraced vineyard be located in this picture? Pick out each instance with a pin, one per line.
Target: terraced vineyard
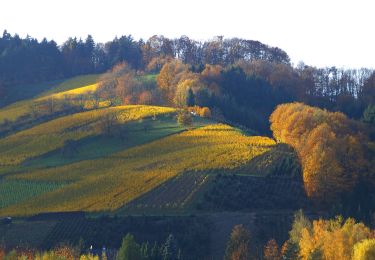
(134, 133)
(49, 136)
(175, 194)
(38, 91)
(236, 192)
(73, 92)
(282, 161)
(12, 192)
(111, 182)
(26, 234)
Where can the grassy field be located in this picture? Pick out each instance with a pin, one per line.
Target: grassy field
(38, 91)
(111, 182)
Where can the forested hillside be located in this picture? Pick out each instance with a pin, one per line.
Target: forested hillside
(245, 79)
(177, 141)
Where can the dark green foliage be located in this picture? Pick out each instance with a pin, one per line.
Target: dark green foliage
(27, 60)
(155, 252)
(369, 115)
(192, 233)
(243, 100)
(123, 49)
(170, 249)
(129, 249)
(290, 250)
(359, 203)
(190, 99)
(203, 98)
(78, 56)
(145, 251)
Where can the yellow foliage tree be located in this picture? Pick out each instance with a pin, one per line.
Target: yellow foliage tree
(182, 90)
(364, 250)
(332, 239)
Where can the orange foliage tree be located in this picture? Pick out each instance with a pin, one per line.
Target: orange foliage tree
(329, 145)
(271, 250)
(238, 247)
(169, 77)
(2, 253)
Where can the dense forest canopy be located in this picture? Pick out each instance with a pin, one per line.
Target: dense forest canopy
(242, 79)
(25, 60)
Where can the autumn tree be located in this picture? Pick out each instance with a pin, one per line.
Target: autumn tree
(324, 239)
(300, 223)
(184, 95)
(211, 77)
(157, 63)
(329, 145)
(156, 49)
(108, 81)
(63, 252)
(145, 98)
(271, 250)
(184, 118)
(205, 112)
(332, 239)
(187, 50)
(127, 88)
(125, 84)
(238, 245)
(169, 78)
(364, 250)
